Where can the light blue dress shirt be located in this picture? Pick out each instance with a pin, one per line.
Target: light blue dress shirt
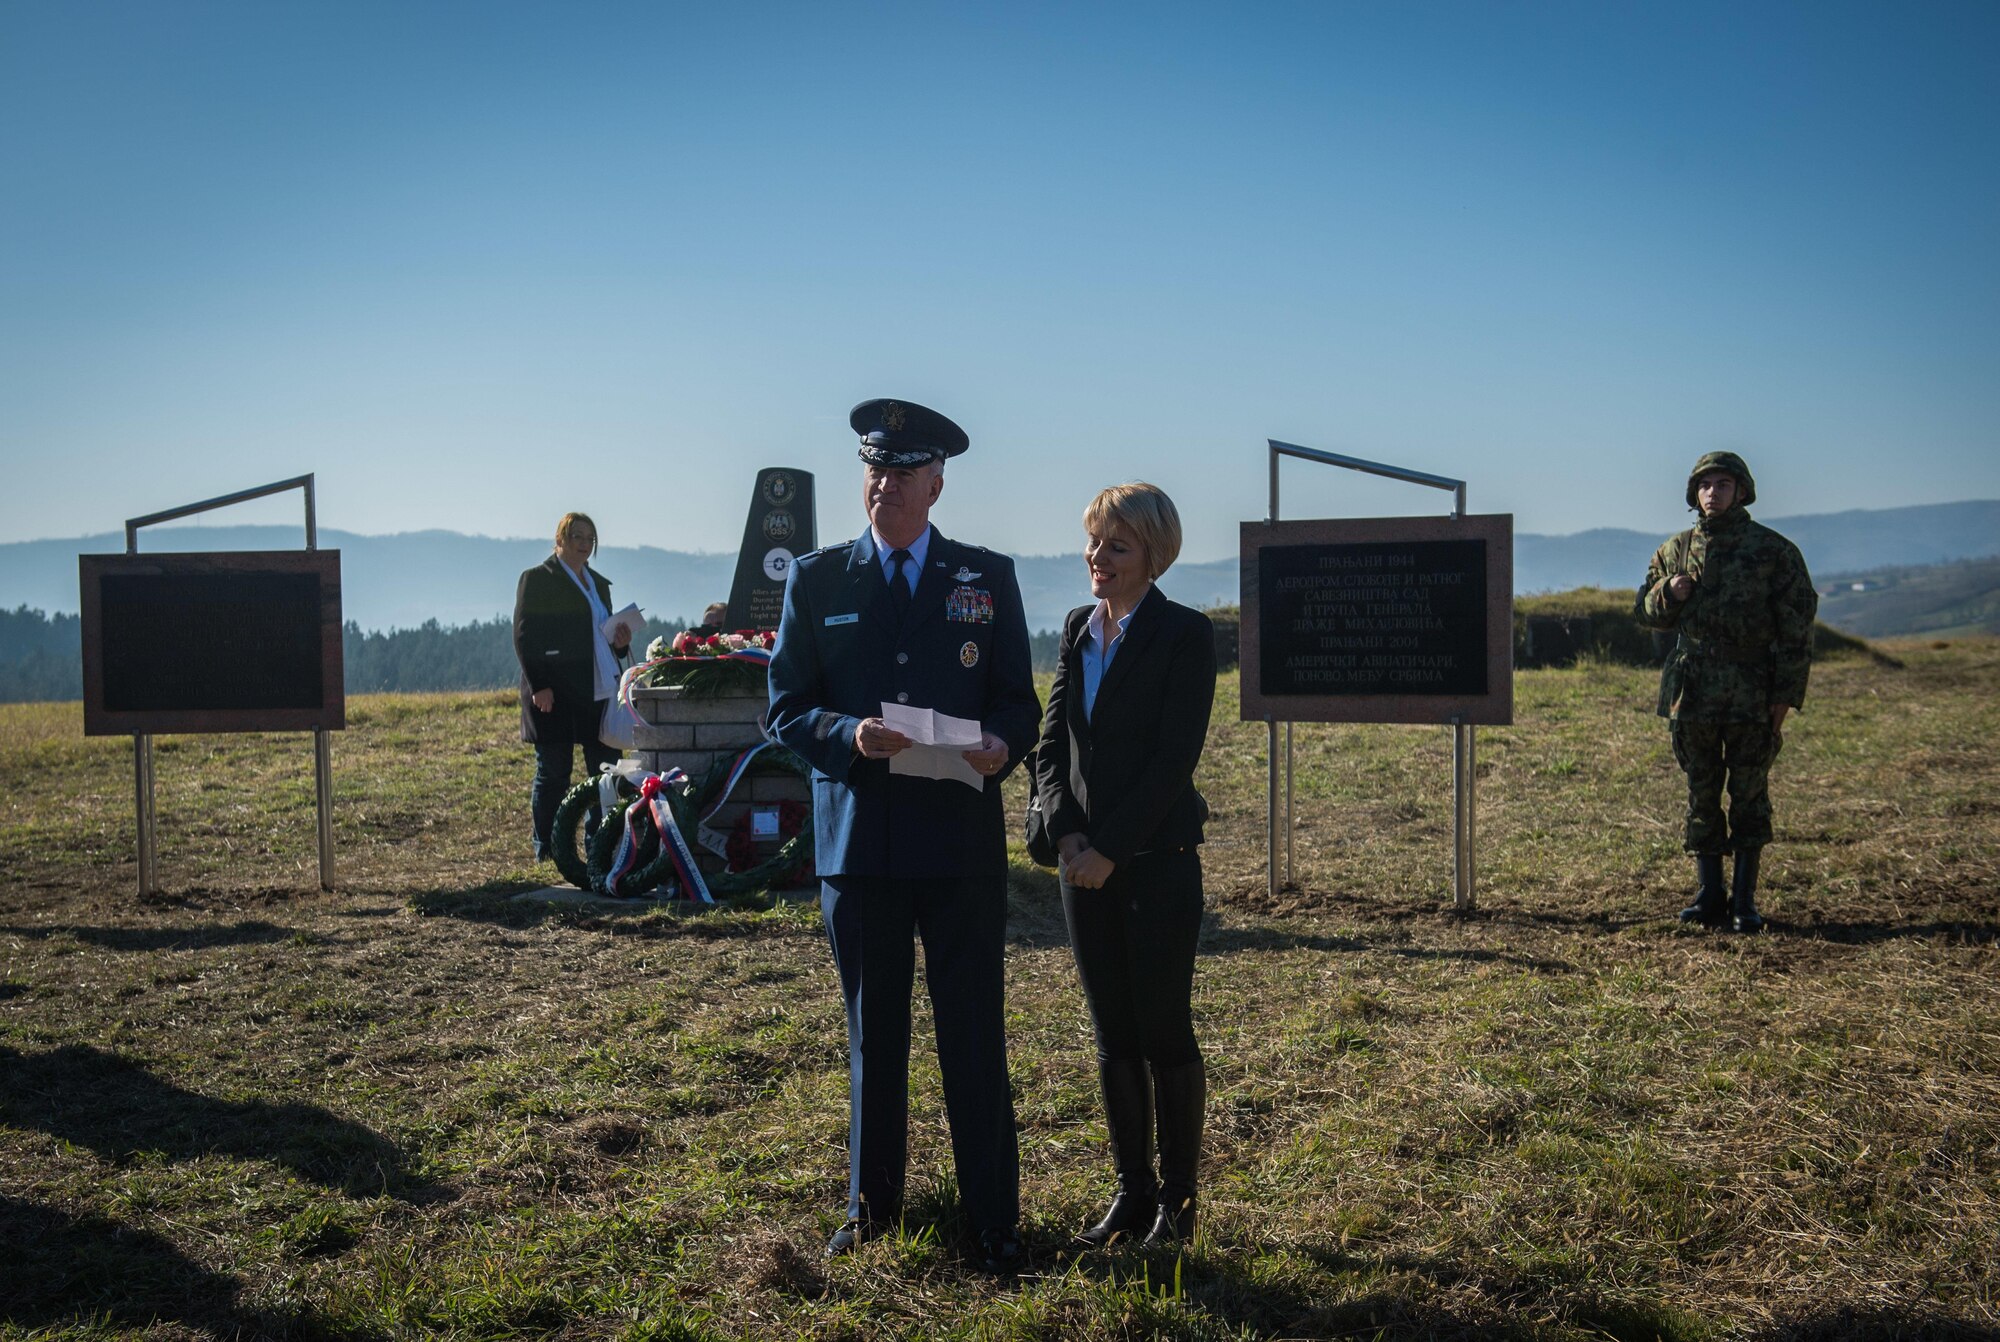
(1097, 652)
(914, 569)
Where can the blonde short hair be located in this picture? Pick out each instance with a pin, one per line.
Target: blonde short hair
(569, 520)
(1145, 511)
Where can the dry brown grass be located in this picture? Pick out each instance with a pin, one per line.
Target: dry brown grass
(413, 1108)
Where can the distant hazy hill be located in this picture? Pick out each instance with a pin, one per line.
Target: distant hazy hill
(402, 580)
(1939, 599)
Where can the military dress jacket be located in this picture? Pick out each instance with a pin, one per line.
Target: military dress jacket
(961, 649)
(1745, 634)
(1122, 775)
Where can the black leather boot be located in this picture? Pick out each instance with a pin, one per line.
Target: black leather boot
(1179, 1095)
(1743, 914)
(1128, 1118)
(1711, 903)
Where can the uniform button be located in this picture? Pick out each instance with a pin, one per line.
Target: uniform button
(902, 696)
(902, 657)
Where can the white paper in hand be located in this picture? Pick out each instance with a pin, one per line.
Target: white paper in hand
(938, 744)
(629, 619)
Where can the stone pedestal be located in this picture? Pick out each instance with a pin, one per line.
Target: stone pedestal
(693, 734)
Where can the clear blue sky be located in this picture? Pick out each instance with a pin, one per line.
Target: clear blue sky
(475, 264)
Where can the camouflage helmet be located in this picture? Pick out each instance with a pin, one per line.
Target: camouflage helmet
(1723, 461)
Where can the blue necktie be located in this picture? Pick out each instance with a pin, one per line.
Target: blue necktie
(899, 589)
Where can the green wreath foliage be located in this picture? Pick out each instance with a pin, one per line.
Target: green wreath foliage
(604, 847)
(587, 870)
(687, 808)
(574, 866)
(709, 677)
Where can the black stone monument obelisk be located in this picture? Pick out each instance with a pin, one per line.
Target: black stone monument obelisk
(780, 526)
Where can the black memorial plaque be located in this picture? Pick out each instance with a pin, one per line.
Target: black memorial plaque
(780, 528)
(1376, 617)
(242, 641)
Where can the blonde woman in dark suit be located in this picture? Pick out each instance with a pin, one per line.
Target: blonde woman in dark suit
(1126, 722)
(569, 671)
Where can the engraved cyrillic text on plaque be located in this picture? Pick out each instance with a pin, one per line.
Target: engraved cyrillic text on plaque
(1373, 617)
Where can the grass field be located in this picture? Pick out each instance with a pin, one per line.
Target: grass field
(413, 1108)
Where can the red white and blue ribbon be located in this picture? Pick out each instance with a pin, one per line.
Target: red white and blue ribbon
(654, 806)
(759, 656)
(687, 874)
(714, 839)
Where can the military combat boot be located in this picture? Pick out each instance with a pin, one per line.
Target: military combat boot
(1128, 1120)
(1711, 904)
(1743, 892)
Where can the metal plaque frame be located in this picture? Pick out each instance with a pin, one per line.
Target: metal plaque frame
(142, 742)
(1460, 713)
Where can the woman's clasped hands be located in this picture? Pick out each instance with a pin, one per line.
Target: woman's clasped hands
(1083, 866)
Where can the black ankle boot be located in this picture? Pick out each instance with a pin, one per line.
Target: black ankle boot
(1711, 904)
(1128, 1119)
(1179, 1094)
(1743, 892)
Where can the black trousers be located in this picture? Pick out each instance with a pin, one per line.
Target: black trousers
(557, 735)
(873, 923)
(1134, 942)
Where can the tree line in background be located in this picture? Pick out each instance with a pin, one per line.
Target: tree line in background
(41, 656)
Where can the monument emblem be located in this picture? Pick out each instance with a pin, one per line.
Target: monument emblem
(779, 526)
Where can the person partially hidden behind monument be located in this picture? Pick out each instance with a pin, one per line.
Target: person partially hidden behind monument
(713, 617)
(904, 617)
(1739, 598)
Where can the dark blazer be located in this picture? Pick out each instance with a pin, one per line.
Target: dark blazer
(553, 637)
(962, 650)
(1124, 777)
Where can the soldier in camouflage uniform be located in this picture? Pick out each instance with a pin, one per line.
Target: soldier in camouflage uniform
(1738, 595)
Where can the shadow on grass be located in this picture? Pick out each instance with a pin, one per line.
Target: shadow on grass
(1217, 940)
(1917, 1323)
(119, 1110)
(1968, 933)
(251, 933)
(88, 1269)
(1223, 1292)
(730, 919)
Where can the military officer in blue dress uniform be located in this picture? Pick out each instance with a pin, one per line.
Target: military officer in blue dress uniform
(905, 616)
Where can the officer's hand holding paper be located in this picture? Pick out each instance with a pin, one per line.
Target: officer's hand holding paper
(937, 744)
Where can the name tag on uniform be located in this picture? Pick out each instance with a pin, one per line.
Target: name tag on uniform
(843, 619)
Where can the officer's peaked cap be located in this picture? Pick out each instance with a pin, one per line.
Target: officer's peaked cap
(1724, 461)
(903, 433)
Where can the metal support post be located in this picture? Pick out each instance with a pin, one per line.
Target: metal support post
(1291, 828)
(1271, 812)
(1462, 811)
(142, 787)
(323, 801)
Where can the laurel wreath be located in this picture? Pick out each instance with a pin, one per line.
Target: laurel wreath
(587, 871)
